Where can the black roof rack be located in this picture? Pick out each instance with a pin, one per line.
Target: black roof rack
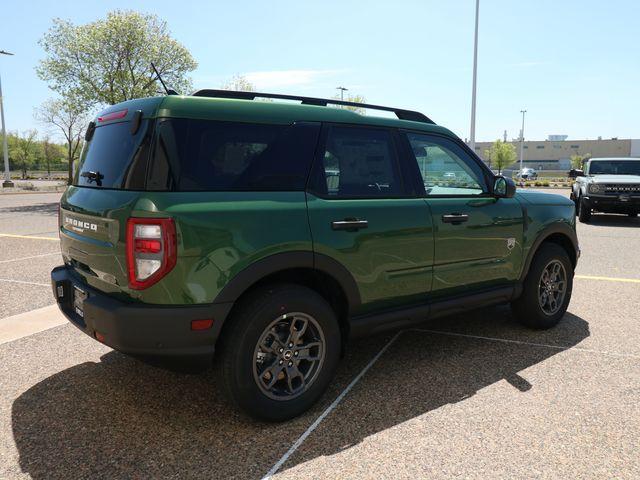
(323, 102)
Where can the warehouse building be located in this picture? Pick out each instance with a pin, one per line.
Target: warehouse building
(555, 152)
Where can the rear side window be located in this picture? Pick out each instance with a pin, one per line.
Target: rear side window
(358, 162)
(114, 158)
(198, 155)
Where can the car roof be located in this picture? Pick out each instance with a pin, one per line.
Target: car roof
(277, 112)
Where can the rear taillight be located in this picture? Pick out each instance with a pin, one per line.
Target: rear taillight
(151, 250)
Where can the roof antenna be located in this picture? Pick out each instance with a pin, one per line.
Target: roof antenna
(168, 90)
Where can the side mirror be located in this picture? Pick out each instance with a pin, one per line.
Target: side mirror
(504, 187)
(575, 173)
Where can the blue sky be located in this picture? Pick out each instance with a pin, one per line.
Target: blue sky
(574, 65)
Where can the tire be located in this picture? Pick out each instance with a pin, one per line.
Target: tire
(584, 212)
(256, 350)
(529, 308)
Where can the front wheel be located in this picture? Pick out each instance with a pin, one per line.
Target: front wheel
(584, 212)
(280, 352)
(547, 288)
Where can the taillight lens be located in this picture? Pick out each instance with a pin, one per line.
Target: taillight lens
(151, 250)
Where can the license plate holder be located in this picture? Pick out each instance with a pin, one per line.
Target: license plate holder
(79, 296)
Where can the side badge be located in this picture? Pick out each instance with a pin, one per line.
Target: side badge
(511, 242)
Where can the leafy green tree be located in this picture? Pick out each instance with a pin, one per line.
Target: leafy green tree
(501, 154)
(70, 119)
(109, 60)
(239, 84)
(51, 153)
(577, 161)
(355, 99)
(24, 150)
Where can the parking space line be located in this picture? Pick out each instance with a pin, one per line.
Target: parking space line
(28, 258)
(530, 344)
(328, 410)
(607, 279)
(10, 235)
(25, 283)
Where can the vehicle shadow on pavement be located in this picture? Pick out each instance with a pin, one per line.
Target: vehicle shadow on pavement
(40, 208)
(614, 221)
(122, 418)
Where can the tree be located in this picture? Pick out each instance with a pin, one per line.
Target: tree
(50, 152)
(24, 150)
(70, 119)
(577, 161)
(501, 154)
(238, 83)
(354, 99)
(109, 61)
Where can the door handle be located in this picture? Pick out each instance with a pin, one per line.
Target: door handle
(349, 224)
(455, 218)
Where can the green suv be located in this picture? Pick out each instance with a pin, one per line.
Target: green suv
(271, 232)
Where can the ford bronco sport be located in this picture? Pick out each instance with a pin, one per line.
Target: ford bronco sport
(608, 185)
(271, 232)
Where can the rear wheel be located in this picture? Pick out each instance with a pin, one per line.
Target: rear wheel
(584, 212)
(280, 352)
(547, 288)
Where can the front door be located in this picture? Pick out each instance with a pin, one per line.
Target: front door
(364, 214)
(478, 237)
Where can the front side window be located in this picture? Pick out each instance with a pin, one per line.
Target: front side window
(445, 168)
(359, 162)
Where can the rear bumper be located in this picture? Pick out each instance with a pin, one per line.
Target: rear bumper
(612, 204)
(137, 328)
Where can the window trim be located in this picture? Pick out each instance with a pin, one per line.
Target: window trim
(316, 174)
(487, 174)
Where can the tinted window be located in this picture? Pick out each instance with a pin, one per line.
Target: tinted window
(223, 156)
(625, 167)
(359, 162)
(114, 158)
(445, 167)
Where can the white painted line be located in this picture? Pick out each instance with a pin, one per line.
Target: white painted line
(25, 324)
(530, 344)
(10, 235)
(327, 411)
(25, 283)
(29, 258)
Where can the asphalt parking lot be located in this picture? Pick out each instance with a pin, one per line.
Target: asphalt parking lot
(470, 396)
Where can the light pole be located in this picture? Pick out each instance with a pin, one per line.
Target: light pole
(522, 141)
(472, 136)
(342, 90)
(7, 176)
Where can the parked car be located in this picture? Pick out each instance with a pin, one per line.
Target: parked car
(528, 174)
(269, 233)
(608, 185)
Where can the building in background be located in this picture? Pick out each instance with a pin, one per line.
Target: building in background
(555, 152)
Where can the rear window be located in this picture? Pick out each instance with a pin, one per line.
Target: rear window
(194, 155)
(114, 158)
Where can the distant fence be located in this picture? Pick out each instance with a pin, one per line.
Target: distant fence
(40, 175)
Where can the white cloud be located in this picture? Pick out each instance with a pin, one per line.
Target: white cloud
(287, 78)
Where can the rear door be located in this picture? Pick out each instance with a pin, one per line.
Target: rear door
(366, 215)
(478, 237)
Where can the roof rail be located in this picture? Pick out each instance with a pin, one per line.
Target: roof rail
(323, 102)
